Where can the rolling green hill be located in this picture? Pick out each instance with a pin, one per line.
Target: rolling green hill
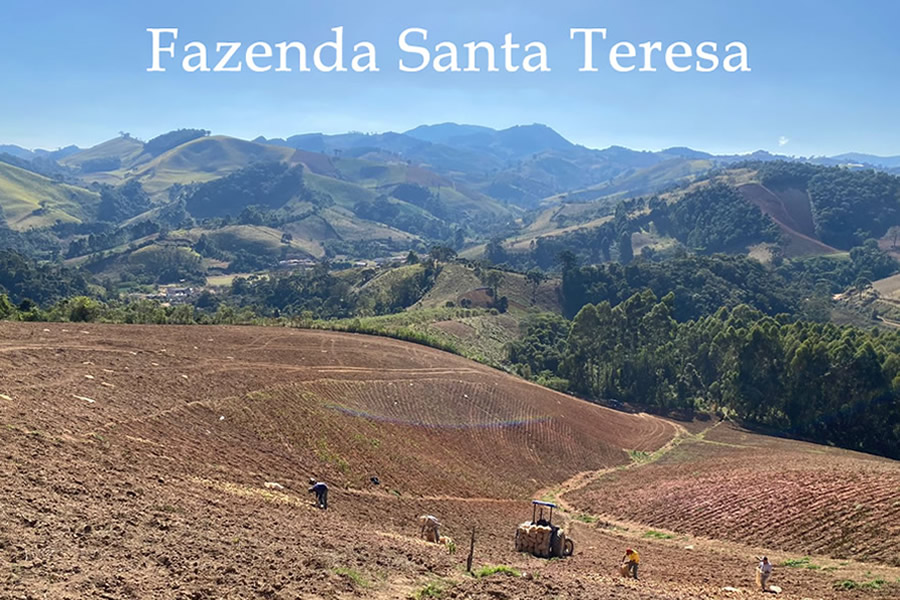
(348, 182)
(457, 281)
(788, 206)
(255, 239)
(31, 200)
(202, 160)
(121, 153)
(638, 182)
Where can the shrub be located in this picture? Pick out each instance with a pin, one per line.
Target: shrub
(82, 309)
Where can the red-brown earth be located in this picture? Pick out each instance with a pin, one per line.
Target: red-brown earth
(135, 460)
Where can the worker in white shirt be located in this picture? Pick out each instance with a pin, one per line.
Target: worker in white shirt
(763, 572)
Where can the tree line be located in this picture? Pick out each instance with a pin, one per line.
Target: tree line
(832, 384)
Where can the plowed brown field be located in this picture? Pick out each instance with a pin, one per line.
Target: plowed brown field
(735, 485)
(135, 458)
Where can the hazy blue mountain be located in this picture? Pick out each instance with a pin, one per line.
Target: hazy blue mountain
(16, 151)
(510, 144)
(887, 162)
(447, 133)
(684, 152)
(26, 154)
(520, 165)
(57, 154)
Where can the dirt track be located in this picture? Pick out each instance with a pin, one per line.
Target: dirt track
(135, 459)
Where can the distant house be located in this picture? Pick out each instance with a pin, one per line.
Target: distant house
(296, 263)
(177, 292)
(173, 295)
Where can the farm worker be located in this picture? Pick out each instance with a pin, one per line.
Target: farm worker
(430, 528)
(765, 571)
(631, 560)
(321, 491)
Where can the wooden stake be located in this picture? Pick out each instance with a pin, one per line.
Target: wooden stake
(471, 551)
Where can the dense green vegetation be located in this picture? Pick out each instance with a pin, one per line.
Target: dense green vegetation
(713, 218)
(120, 203)
(710, 219)
(701, 284)
(860, 266)
(24, 280)
(166, 264)
(102, 236)
(323, 294)
(540, 351)
(849, 206)
(316, 292)
(831, 384)
(265, 186)
(384, 210)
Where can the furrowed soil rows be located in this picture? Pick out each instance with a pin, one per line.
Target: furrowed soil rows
(156, 487)
(735, 485)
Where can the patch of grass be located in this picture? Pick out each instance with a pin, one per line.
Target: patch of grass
(367, 441)
(492, 570)
(434, 589)
(801, 563)
(849, 584)
(586, 518)
(639, 456)
(659, 535)
(451, 547)
(550, 496)
(325, 454)
(353, 575)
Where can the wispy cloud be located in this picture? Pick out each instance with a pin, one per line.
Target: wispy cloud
(782, 141)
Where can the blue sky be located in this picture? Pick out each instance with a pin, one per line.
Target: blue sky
(825, 75)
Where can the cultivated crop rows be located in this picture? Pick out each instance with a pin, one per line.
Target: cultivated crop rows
(744, 487)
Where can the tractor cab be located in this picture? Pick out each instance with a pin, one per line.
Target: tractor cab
(537, 512)
(540, 536)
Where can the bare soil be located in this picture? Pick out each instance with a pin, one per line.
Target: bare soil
(135, 460)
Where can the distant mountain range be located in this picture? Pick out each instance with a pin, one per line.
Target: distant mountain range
(522, 166)
(525, 164)
(245, 205)
(476, 152)
(26, 154)
(514, 143)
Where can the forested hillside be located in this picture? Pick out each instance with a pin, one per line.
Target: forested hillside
(827, 383)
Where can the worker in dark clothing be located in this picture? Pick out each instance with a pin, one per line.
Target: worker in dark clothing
(321, 491)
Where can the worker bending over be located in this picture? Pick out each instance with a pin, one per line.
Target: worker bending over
(321, 491)
(630, 563)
